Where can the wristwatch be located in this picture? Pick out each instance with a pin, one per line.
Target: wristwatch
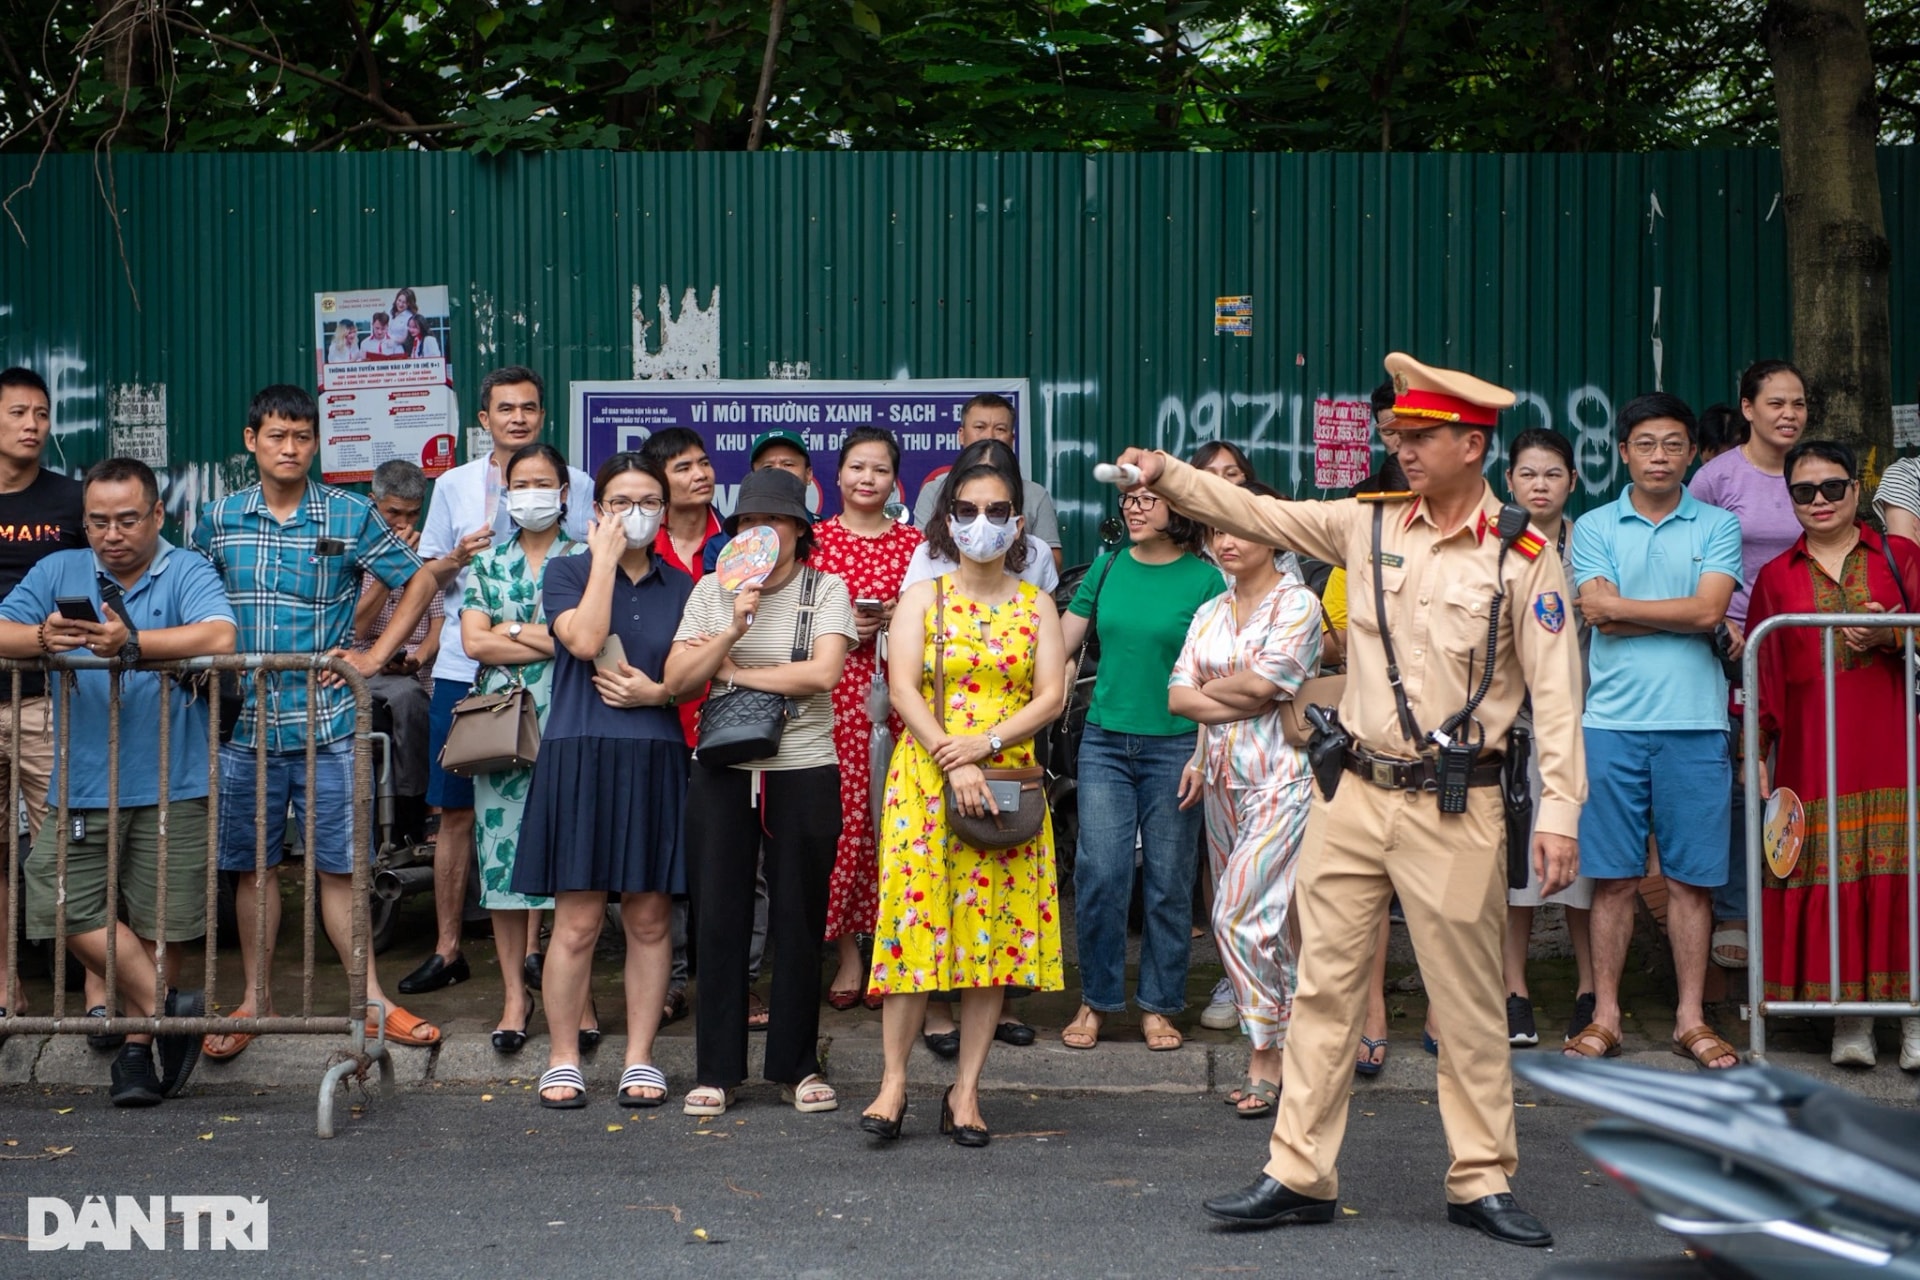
(993, 740)
(513, 632)
(130, 651)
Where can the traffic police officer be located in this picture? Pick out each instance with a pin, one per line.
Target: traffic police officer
(1451, 625)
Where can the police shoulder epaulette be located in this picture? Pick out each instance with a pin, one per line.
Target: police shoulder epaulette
(1530, 544)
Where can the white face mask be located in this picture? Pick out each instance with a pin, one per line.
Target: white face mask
(981, 540)
(642, 526)
(534, 510)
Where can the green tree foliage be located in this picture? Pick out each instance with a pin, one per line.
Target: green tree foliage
(493, 75)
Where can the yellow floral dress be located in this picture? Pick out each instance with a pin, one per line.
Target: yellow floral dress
(952, 917)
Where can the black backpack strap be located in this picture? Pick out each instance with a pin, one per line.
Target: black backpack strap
(803, 618)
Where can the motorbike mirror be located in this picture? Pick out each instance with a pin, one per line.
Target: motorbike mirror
(1111, 531)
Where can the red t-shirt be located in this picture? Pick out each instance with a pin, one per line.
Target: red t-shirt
(664, 548)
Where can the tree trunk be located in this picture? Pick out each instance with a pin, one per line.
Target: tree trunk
(1838, 258)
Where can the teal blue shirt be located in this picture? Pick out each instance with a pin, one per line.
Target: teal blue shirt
(1667, 680)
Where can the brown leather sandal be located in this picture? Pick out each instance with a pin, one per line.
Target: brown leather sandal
(1594, 1041)
(1705, 1046)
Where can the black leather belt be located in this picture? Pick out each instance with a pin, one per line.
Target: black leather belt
(1393, 774)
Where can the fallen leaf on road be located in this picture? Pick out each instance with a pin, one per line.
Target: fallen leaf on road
(1366, 1113)
(673, 1209)
(206, 1137)
(486, 1097)
(12, 1142)
(1035, 1133)
(740, 1190)
(615, 1128)
(230, 1119)
(64, 1111)
(1351, 1213)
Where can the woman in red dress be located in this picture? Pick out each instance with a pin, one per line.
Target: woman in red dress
(870, 552)
(1839, 566)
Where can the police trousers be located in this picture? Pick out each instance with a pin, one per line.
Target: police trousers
(1451, 874)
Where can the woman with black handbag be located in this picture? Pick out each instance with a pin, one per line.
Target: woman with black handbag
(764, 768)
(968, 900)
(603, 815)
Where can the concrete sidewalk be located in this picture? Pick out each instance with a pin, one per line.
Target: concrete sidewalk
(850, 1041)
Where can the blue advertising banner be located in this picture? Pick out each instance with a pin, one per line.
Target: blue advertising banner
(923, 414)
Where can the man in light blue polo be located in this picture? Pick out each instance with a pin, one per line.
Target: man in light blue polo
(1654, 571)
(157, 602)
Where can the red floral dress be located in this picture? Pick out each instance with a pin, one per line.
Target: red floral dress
(873, 569)
(952, 917)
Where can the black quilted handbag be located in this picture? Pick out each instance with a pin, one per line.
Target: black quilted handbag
(747, 724)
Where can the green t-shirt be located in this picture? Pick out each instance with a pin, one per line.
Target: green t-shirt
(1144, 613)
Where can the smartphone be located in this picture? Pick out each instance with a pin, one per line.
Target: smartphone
(869, 606)
(76, 608)
(1006, 796)
(611, 655)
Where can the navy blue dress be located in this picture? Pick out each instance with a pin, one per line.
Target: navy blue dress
(604, 813)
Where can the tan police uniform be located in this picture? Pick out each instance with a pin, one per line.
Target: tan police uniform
(1371, 840)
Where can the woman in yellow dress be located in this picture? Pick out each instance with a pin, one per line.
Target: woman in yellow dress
(953, 917)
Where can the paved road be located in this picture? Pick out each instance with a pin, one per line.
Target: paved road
(440, 1182)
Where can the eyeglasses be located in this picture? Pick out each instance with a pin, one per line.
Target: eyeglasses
(620, 506)
(1139, 501)
(1831, 490)
(997, 512)
(124, 523)
(1672, 446)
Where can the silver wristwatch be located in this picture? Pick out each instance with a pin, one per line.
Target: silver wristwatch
(513, 632)
(993, 740)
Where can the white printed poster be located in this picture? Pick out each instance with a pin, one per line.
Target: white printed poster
(1342, 442)
(386, 380)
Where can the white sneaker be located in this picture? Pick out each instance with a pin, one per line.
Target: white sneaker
(1221, 1013)
(1910, 1044)
(1852, 1043)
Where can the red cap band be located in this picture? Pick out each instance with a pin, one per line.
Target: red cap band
(1445, 408)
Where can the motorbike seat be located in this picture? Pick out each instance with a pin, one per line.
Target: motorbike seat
(1880, 1133)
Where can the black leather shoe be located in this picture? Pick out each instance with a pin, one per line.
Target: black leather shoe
(964, 1135)
(178, 1054)
(1017, 1034)
(1501, 1217)
(533, 969)
(134, 1083)
(945, 1044)
(1267, 1203)
(435, 973)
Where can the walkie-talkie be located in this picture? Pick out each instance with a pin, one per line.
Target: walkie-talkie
(1453, 762)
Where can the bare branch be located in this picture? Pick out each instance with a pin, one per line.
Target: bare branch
(776, 14)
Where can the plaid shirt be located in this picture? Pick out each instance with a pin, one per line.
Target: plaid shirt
(293, 586)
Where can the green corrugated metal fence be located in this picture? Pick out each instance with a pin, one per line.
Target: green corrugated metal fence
(1092, 276)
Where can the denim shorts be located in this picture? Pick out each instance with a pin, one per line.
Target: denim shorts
(332, 800)
(1675, 784)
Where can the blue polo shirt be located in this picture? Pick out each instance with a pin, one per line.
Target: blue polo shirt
(1666, 680)
(178, 589)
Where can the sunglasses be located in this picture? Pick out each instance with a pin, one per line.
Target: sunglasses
(1831, 490)
(997, 512)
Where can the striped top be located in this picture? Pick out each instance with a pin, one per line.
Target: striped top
(1899, 487)
(1281, 644)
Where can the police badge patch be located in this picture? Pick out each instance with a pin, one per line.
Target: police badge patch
(1549, 611)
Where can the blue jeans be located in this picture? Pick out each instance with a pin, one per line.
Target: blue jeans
(1129, 783)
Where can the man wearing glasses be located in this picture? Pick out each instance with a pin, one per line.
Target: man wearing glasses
(152, 602)
(1655, 570)
(990, 417)
(462, 522)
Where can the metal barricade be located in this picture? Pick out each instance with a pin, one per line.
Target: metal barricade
(1759, 1007)
(363, 1051)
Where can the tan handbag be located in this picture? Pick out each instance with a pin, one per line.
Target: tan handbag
(1009, 827)
(492, 733)
(1321, 691)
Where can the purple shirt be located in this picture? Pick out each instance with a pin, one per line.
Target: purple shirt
(1767, 524)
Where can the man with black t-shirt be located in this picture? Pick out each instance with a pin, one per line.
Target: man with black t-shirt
(40, 513)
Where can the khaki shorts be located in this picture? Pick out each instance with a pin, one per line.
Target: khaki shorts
(86, 882)
(35, 765)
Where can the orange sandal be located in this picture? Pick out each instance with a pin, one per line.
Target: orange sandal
(405, 1028)
(230, 1044)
